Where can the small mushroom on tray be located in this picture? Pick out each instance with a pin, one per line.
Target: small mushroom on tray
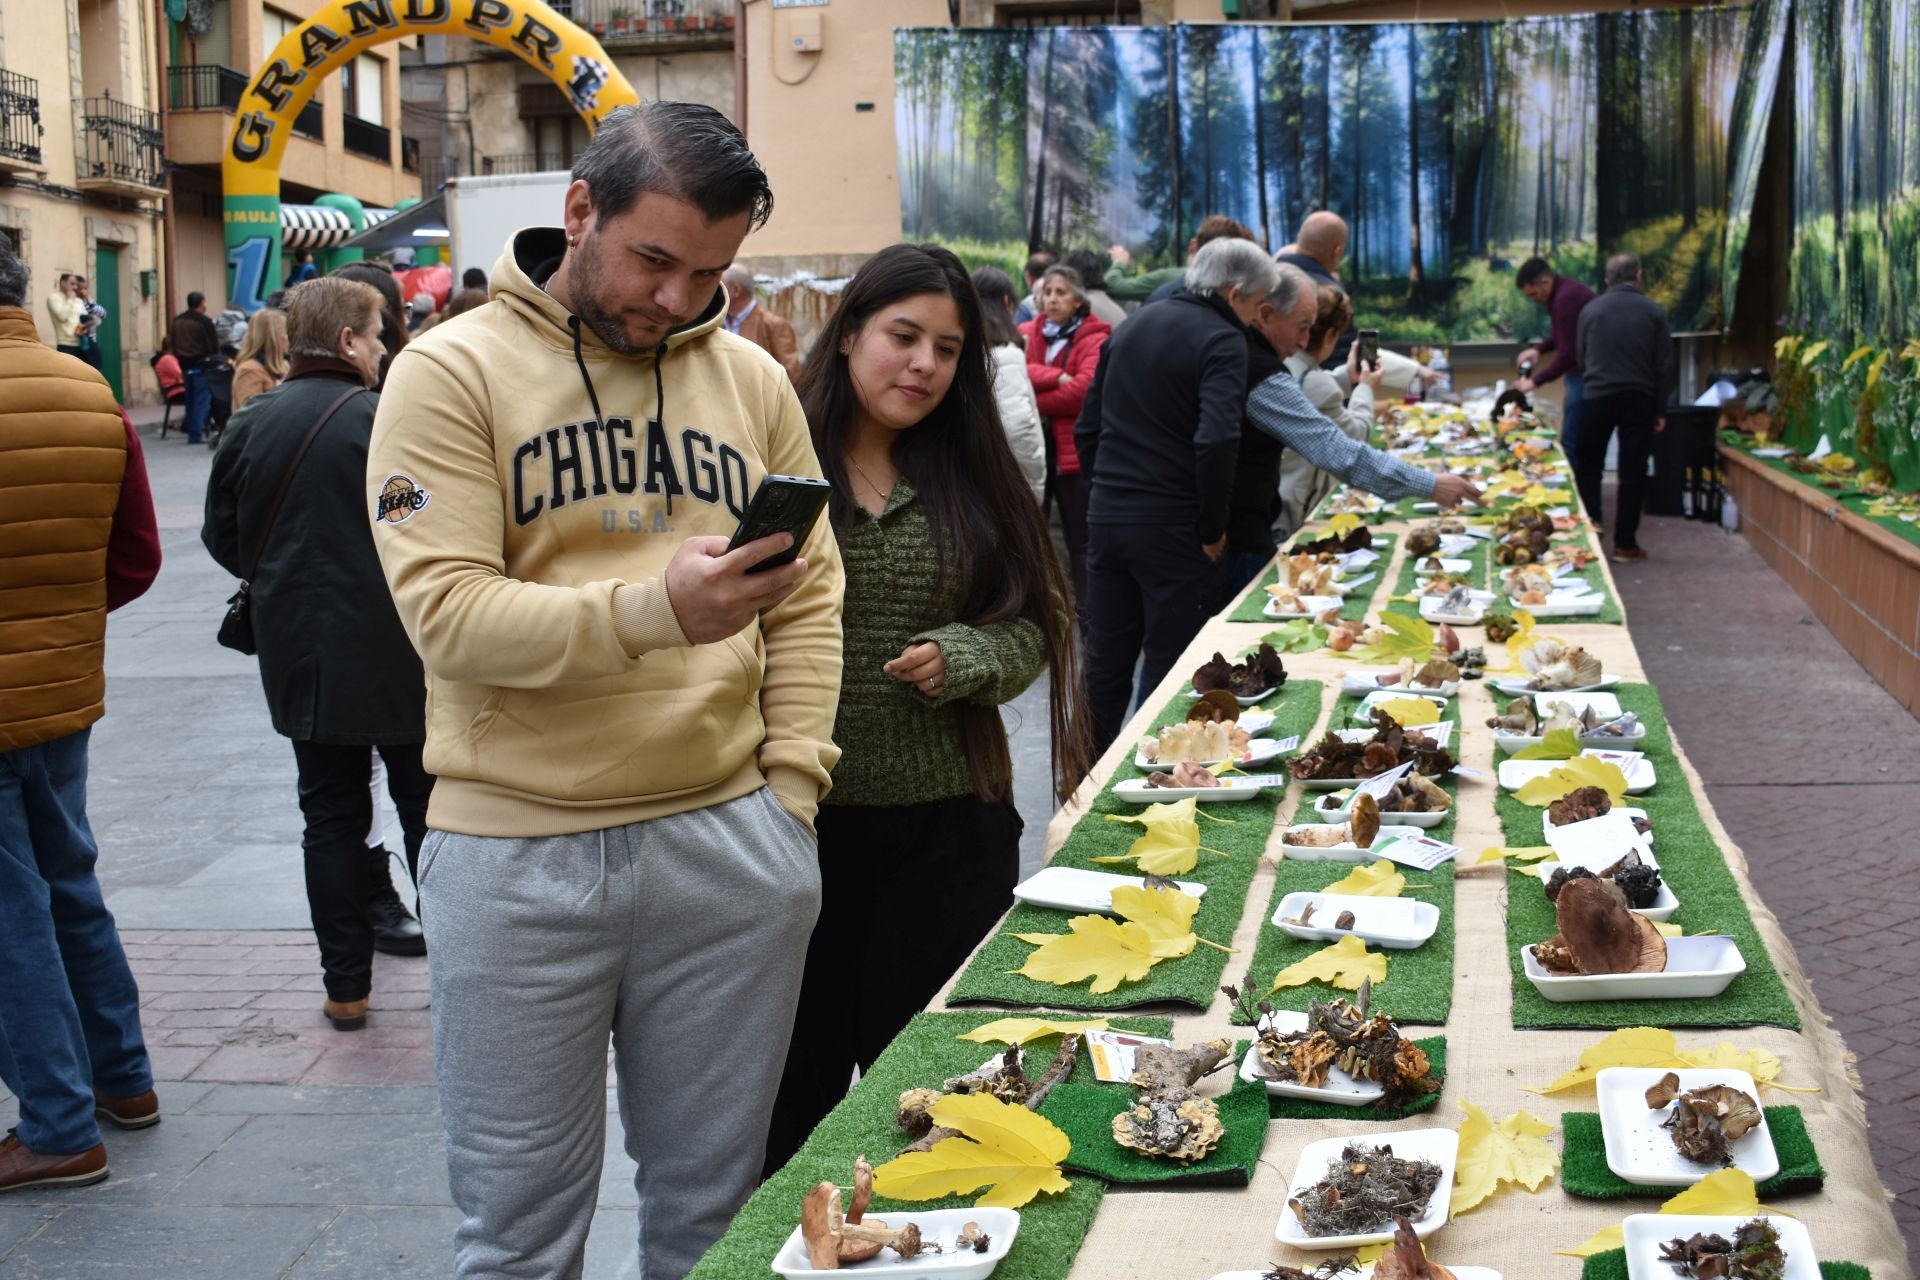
(1599, 933)
(1704, 1121)
(1185, 776)
(1637, 881)
(1338, 1034)
(1753, 1254)
(1361, 828)
(835, 1239)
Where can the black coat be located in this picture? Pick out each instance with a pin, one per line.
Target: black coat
(1160, 429)
(336, 664)
(1256, 481)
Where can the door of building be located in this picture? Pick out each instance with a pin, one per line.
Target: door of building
(106, 291)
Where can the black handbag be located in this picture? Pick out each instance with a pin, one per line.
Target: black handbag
(236, 625)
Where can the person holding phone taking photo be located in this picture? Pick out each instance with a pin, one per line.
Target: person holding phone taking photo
(630, 732)
(955, 604)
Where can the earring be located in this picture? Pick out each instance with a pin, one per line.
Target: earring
(572, 240)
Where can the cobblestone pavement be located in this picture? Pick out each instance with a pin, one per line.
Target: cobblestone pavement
(290, 1150)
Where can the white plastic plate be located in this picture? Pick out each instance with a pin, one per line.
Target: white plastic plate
(1316, 605)
(1646, 1232)
(1341, 1089)
(1447, 565)
(938, 1226)
(1640, 1150)
(1696, 967)
(1348, 852)
(1557, 840)
(1077, 889)
(1519, 741)
(1245, 702)
(1232, 789)
(1365, 682)
(1566, 604)
(1773, 451)
(1398, 923)
(1330, 808)
(1259, 751)
(1432, 609)
(1515, 774)
(1518, 688)
(1442, 1146)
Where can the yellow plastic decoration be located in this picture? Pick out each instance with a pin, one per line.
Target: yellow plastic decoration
(1378, 880)
(1581, 771)
(1022, 1030)
(1859, 353)
(1341, 965)
(1014, 1152)
(1812, 353)
(1512, 1151)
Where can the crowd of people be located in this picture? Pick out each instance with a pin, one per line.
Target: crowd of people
(654, 790)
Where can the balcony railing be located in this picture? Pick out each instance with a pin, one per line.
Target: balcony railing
(653, 21)
(204, 87)
(20, 126)
(124, 144)
(521, 163)
(364, 137)
(312, 122)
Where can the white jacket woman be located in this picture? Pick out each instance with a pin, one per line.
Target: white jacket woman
(1020, 415)
(1303, 485)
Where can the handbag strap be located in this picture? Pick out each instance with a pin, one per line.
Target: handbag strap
(286, 480)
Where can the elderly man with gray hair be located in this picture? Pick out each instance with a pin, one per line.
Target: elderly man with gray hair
(746, 317)
(1626, 351)
(1159, 437)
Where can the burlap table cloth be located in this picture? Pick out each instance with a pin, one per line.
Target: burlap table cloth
(1195, 1234)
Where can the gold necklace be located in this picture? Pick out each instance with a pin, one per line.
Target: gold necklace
(884, 494)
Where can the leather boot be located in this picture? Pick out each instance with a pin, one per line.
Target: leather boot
(395, 931)
(21, 1167)
(138, 1112)
(345, 1015)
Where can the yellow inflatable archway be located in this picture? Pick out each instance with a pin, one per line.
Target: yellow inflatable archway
(569, 56)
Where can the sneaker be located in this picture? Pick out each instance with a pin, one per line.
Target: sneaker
(138, 1112)
(21, 1167)
(1627, 555)
(395, 931)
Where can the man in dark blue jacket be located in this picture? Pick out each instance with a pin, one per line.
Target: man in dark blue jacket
(1159, 436)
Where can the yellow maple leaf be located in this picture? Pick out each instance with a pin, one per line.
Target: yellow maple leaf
(1343, 524)
(1581, 771)
(1556, 744)
(1106, 950)
(1014, 1152)
(1377, 880)
(1511, 1151)
(1166, 915)
(1764, 1067)
(1527, 853)
(1342, 965)
(1726, 1193)
(1172, 842)
(1021, 1030)
(1405, 637)
(1409, 713)
(1658, 1047)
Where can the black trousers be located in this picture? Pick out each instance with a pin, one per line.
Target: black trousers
(906, 893)
(1632, 413)
(1148, 587)
(336, 801)
(1071, 493)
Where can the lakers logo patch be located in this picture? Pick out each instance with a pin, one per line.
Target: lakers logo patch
(400, 497)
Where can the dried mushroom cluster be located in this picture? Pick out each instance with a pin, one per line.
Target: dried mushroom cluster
(1170, 1120)
(1553, 665)
(1704, 1121)
(1753, 1254)
(1521, 718)
(1005, 1078)
(1341, 1035)
(1259, 673)
(1390, 747)
(1526, 585)
(1365, 1187)
(1599, 933)
(1360, 828)
(1638, 882)
(1358, 538)
(835, 1239)
(1326, 1269)
(1523, 536)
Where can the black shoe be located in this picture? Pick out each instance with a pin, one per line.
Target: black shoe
(395, 931)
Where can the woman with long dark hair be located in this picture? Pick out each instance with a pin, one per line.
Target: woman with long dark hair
(955, 604)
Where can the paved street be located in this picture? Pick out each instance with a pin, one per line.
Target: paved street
(290, 1150)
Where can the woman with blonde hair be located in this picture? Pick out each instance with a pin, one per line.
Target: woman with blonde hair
(262, 364)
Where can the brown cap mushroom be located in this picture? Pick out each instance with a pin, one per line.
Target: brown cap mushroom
(1603, 934)
(820, 1226)
(1406, 1258)
(1215, 705)
(1364, 820)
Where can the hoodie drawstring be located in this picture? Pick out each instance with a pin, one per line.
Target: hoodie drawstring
(600, 885)
(593, 398)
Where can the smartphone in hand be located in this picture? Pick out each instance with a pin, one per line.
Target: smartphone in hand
(1370, 348)
(782, 503)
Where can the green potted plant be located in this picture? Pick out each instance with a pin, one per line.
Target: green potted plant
(622, 17)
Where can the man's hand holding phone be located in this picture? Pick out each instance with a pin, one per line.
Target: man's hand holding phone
(712, 593)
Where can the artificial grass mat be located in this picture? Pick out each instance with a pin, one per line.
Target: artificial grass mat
(926, 1053)
(1302, 1109)
(1692, 863)
(1248, 608)
(1086, 1111)
(1239, 830)
(1408, 584)
(1848, 497)
(1584, 1171)
(1612, 1265)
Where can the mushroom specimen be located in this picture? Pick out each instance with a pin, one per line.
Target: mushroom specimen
(1169, 1119)
(1361, 827)
(1005, 1078)
(1256, 674)
(1638, 882)
(1406, 1258)
(1553, 665)
(1184, 775)
(1753, 1254)
(1341, 1035)
(1704, 1121)
(1599, 934)
(835, 1239)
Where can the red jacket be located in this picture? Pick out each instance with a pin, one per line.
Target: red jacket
(1077, 359)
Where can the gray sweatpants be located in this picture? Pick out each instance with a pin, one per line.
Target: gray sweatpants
(683, 938)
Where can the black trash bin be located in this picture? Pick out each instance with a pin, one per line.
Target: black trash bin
(1673, 450)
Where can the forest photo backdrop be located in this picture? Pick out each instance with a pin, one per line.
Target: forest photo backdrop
(1454, 150)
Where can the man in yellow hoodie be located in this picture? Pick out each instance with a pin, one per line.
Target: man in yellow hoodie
(630, 732)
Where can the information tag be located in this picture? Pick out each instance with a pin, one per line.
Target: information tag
(1559, 513)
(1421, 852)
(1356, 559)
(1111, 1053)
(1356, 582)
(1256, 780)
(1822, 449)
(1462, 771)
(1288, 744)
(1597, 843)
(1381, 785)
(1623, 760)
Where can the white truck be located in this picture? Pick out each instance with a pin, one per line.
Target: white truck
(483, 211)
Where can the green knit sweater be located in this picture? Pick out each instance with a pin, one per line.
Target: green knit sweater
(899, 746)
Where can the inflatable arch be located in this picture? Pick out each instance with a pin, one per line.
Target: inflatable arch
(341, 31)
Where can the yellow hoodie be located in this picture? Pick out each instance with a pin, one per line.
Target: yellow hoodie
(525, 530)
